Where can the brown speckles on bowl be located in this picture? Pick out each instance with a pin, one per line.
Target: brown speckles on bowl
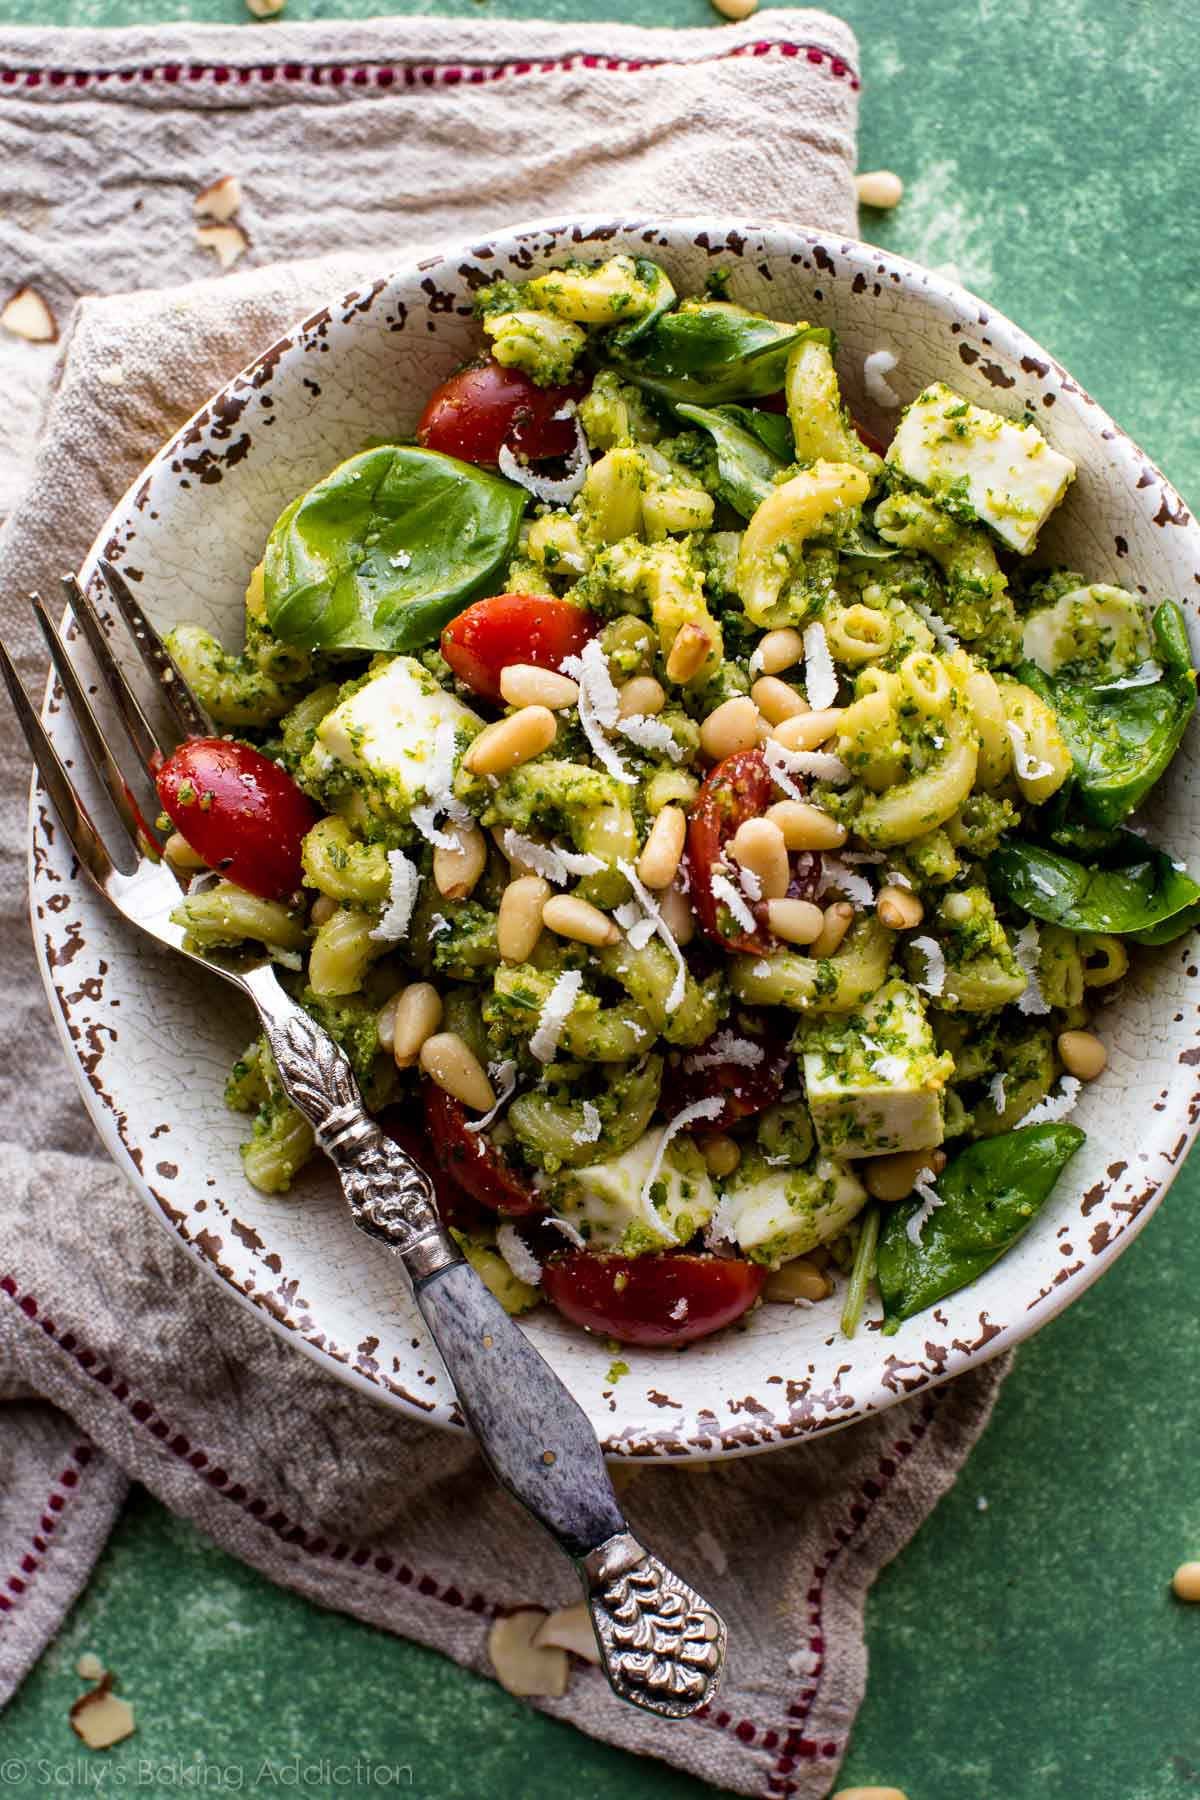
(153, 1039)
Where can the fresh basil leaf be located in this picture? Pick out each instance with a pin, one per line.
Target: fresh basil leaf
(658, 282)
(383, 552)
(1139, 894)
(706, 352)
(746, 467)
(772, 429)
(990, 1192)
(1122, 736)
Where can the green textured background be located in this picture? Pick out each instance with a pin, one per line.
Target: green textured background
(1028, 1649)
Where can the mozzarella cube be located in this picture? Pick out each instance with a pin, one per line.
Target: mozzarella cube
(1005, 474)
(775, 1214)
(874, 1078)
(617, 1206)
(376, 754)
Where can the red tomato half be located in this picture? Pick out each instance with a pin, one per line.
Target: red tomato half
(737, 789)
(659, 1300)
(513, 628)
(485, 406)
(240, 811)
(743, 1091)
(471, 1160)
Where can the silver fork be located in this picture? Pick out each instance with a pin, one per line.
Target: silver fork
(661, 1645)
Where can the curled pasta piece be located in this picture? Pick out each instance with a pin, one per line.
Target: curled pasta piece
(934, 794)
(1105, 960)
(792, 512)
(339, 864)
(991, 722)
(1041, 759)
(342, 949)
(928, 684)
(869, 740)
(226, 915)
(859, 634)
(811, 984)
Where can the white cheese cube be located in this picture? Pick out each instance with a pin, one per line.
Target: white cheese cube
(617, 1206)
(775, 1214)
(874, 1078)
(377, 753)
(1006, 474)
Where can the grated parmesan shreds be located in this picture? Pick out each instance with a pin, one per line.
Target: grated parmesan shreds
(820, 676)
(1029, 767)
(589, 1131)
(890, 1069)
(599, 705)
(504, 1076)
(819, 765)
(876, 369)
(560, 1003)
(568, 1228)
(727, 1047)
(835, 874)
(934, 981)
(550, 861)
(724, 890)
(404, 881)
(653, 913)
(517, 1254)
(543, 487)
(651, 734)
(440, 796)
(699, 1109)
(941, 631)
(930, 1201)
(437, 924)
(1055, 1107)
(749, 882)
(719, 1230)
(1032, 1002)
(680, 1309)
(996, 1092)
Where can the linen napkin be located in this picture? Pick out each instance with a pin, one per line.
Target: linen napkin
(120, 1358)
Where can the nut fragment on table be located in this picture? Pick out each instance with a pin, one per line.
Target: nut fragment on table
(219, 200)
(89, 1667)
(736, 9)
(880, 188)
(101, 1718)
(26, 315)
(265, 9)
(570, 1628)
(521, 1667)
(228, 241)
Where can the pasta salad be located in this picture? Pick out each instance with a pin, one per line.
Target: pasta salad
(709, 832)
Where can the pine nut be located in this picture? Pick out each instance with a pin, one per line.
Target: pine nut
(776, 701)
(177, 850)
(1186, 1581)
(525, 684)
(879, 188)
(795, 921)
(519, 920)
(807, 731)
(456, 871)
(572, 917)
(689, 653)
(677, 914)
(322, 909)
(892, 1177)
(838, 919)
(869, 1793)
(806, 827)
(721, 1154)
(663, 848)
(642, 697)
(1083, 1054)
(450, 1062)
(957, 908)
(416, 1015)
(732, 726)
(758, 846)
(898, 908)
(512, 741)
(736, 9)
(779, 650)
(799, 1279)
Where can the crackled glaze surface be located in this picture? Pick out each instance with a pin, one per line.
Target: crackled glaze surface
(153, 1039)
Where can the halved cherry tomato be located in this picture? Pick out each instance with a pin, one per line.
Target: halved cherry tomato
(485, 406)
(471, 1160)
(455, 1206)
(737, 789)
(240, 811)
(869, 439)
(513, 628)
(659, 1299)
(742, 1089)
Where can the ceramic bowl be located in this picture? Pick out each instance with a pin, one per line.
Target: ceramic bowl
(151, 1068)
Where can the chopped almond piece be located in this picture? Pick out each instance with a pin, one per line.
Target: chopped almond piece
(520, 1666)
(228, 241)
(101, 1718)
(570, 1628)
(27, 316)
(219, 200)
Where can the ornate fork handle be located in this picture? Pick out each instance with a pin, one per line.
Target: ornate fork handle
(662, 1646)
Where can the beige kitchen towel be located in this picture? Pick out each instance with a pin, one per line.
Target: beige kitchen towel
(120, 1357)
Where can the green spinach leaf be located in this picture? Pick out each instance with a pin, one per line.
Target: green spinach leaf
(746, 466)
(704, 353)
(384, 551)
(1122, 735)
(990, 1194)
(1141, 892)
(658, 282)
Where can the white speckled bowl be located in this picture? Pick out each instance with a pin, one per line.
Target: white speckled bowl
(152, 1039)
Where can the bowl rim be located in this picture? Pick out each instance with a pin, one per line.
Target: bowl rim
(704, 1444)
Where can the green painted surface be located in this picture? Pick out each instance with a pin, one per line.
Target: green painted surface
(1026, 1650)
